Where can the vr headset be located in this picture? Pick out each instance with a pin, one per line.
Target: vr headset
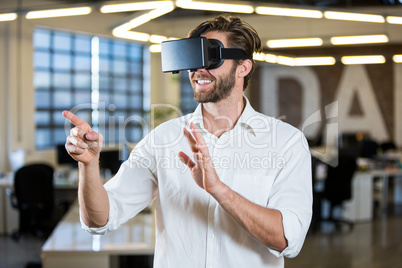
(196, 53)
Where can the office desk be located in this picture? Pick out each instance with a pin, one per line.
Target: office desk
(360, 207)
(8, 215)
(385, 174)
(70, 246)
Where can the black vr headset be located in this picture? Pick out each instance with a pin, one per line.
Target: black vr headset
(196, 53)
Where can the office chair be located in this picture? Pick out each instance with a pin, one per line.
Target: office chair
(368, 148)
(33, 196)
(387, 146)
(338, 184)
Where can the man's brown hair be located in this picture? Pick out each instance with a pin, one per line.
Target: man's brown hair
(240, 35)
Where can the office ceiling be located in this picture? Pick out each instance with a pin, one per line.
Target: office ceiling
(180, 21)
(316, 3)
(26, 4)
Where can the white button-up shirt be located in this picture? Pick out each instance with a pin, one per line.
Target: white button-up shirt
(263, 159)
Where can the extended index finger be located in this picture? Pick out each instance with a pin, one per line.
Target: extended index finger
(75, 120)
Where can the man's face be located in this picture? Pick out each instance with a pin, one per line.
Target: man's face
(216, 84)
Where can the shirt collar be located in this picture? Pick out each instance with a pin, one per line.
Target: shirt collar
(246, 120)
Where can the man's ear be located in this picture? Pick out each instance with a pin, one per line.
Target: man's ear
(244, 68)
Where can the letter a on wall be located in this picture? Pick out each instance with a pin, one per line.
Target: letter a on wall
(356, 82)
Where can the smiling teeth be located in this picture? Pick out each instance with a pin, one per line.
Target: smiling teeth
(203, 81)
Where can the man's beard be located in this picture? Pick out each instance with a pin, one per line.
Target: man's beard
(220, 91)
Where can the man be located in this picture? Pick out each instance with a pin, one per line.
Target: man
(242, 195)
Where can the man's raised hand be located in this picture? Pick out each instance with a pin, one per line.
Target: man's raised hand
(202, 168)
(83, 144)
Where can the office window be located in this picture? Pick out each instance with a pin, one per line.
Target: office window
(120, 90)
(187, 102)
(99, 79)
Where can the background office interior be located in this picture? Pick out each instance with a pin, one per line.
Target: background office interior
(368, 96)
(48, 65)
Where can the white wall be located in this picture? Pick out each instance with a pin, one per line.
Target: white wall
(3, 96)
(17, 106)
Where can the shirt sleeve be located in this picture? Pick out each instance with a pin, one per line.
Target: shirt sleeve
(132, 189)
(292, 194)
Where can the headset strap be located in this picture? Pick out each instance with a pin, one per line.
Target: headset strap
(199, 31)
(233, 54)
(225, 53)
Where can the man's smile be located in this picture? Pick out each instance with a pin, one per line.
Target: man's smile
(203, 81)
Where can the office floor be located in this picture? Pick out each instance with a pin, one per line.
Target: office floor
(18, 254)
(369, 245)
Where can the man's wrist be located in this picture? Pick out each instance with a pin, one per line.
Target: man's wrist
(93, 163)
(223, 194)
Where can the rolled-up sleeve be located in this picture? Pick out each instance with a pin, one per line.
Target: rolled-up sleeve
(292, 195)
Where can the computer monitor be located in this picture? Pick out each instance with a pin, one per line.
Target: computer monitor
(110, 159)
(63, 158)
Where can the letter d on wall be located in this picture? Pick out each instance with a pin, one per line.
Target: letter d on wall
(309, 84)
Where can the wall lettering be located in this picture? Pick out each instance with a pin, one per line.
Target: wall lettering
(353, 83)
(309, 84)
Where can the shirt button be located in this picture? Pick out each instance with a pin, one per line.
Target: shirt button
(212, 236)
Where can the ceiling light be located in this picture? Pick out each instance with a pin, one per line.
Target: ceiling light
(124, 30)
(295, 61)
(314, 61)
(292, 12)
(138, 21)
(122, 33)
(215, 6)
(397, 58)
(271, 58)
(155, 48)
(305, 61)
(157, 38)
(286, 60)
(332, 15)
(144, 18)
(298, 42)
(394, 20)
(359, 39)
(372, 59)
(164, 8)
(58, 12)
(259, 56)
(8, 16)
(134, 6)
